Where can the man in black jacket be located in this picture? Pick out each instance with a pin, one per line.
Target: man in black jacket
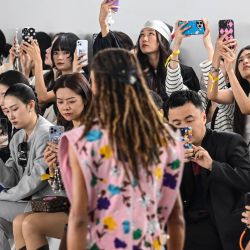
(216, 177)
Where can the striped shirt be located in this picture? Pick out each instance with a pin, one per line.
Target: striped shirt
(222, 119)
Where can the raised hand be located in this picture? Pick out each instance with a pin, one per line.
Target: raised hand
(79, 62)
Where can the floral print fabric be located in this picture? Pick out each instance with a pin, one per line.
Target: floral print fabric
(123, 213)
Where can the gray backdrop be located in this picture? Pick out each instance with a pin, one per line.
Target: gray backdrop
(81, 17)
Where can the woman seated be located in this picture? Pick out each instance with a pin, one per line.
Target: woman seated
(8, 79)
(73, 97)
(21, 174)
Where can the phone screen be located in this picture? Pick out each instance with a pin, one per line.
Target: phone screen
(186, 136)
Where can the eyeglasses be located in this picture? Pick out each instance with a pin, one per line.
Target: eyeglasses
(22, 149)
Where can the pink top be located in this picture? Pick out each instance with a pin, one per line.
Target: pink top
(122, 215)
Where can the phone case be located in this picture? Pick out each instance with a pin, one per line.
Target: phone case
(55, 133)
(28, 33)
(82, 47)
(197, 27)
(115, 3)
(186, 136)
(247, 199)
(226, 26)
(3, 133)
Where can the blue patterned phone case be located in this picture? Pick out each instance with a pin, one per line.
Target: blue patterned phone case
(55, 133)
(197, 27)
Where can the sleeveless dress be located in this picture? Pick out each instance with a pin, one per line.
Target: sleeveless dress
(123, 214)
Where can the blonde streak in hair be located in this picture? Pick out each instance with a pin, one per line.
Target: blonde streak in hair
(117, 113)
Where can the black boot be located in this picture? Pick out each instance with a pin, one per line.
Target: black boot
(45, 247)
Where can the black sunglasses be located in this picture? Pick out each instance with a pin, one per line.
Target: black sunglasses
(22, 149)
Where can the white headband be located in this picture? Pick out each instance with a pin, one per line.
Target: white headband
(161, 27)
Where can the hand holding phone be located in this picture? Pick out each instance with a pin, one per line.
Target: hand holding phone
(81, 47)
(55, 133)
(186, 137)
(197, 27)
(226, 27)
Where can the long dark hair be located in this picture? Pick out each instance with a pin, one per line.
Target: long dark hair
(239, 118)
(80, 85)
(123, 106)
(156, 81)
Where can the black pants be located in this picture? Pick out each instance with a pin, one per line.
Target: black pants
(202, 235)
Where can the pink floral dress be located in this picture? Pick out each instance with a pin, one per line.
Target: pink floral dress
(122, 213)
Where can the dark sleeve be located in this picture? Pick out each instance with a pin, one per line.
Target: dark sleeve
(190, 78)
(235, 172)
(108, 41)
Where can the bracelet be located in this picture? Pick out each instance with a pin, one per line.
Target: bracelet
(213, 80)
(214, 70)
(176, 52)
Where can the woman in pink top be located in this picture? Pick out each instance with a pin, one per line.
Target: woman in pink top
(122, 170)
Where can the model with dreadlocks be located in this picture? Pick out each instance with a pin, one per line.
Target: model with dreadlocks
(122, 170)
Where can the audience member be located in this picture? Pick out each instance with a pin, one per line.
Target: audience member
(73, 97)
(8, 79)
(239, 81)
(107, 38)
(221, 119)
(153, 49)
(216, 176)
(21, 174)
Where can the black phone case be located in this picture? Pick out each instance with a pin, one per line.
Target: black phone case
(28, 33)
(226, 26)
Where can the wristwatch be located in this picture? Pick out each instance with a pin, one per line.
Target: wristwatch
(214, 70)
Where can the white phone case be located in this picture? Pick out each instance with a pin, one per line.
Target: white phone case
(82, 47)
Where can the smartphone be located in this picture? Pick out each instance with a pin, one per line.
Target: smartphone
(226, 26)
(115, 3)
(28, 34)
(81, 47)
(55, 133)
(3, 133)
(247, 199)
(197, 27)
(186, 136)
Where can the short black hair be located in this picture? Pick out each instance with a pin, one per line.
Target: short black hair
(66, 42)
(157, 99)
(179, 98)
(44, 42)
(11, 77)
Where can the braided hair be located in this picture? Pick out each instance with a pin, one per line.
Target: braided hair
(123, 106)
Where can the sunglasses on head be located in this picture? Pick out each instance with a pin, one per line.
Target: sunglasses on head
(22, 149)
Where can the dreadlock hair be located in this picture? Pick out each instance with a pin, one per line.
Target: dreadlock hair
(123, 106)
(239, 118)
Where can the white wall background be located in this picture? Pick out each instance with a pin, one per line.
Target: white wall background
(81, 17)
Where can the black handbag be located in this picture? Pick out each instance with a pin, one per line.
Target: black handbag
(50, 204)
